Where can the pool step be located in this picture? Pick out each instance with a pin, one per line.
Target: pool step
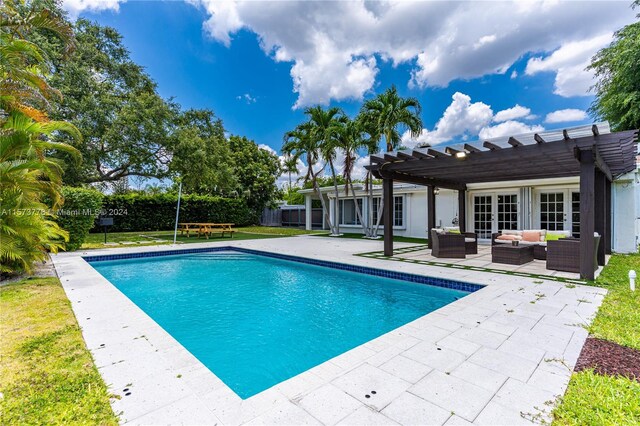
(222, 256)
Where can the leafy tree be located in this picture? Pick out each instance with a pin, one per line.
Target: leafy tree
(127, 126)
(389, 113)
(618, 79)
(256, 170)
(201, 154)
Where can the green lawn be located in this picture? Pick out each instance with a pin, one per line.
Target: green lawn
(396, 238)
(592, 399)
(47, 375)
(145, 238)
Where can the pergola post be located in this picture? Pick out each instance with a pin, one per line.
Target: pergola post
(587, 207)
(387, 215)
(462, 210)
(599, 212)
(431, 211)
(607, 217)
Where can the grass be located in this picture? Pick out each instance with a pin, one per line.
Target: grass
(593, 399)
(618, 319)
(96, 241)
(396, 238)
(47, 375)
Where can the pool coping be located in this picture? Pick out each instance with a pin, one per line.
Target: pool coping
(168, 384)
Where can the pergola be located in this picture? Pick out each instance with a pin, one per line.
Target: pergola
(596, 158)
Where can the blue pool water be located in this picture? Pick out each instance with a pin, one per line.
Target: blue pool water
(255, 321)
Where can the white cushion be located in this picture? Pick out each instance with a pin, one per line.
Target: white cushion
(469, 240)
(511, 232)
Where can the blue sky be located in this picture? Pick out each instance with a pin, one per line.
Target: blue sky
(258, 64)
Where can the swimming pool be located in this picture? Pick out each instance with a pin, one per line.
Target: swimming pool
(256, 321)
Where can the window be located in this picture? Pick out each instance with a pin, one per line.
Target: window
(398, 210)
(552, 211)
(507, 211)
(575, 214)
(348, 215)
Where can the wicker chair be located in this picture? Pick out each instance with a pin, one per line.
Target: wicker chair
(448, 245)
(470, 242)
(564, 254)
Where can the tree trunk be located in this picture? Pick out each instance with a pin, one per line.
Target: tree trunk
(324, 207)
(336, 228)
(358, 212)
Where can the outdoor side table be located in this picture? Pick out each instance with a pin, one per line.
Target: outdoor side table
(511, 255)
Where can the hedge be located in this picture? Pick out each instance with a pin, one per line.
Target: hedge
(141, 212)
(81, 207)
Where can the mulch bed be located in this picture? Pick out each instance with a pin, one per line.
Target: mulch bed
(609, 358)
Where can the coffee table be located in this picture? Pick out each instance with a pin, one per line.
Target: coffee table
(512, 255)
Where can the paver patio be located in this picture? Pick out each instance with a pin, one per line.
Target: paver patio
(497, 356)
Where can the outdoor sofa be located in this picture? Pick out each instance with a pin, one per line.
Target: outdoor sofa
(534, 237)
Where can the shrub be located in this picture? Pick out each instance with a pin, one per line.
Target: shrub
(77, 215)
(142, 212)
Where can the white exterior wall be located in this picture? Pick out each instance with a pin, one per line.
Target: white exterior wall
(446, 208)
(625, 196)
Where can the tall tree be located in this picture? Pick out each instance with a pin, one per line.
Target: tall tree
(126, 125)
(617, 88)
(302, 143)
(388, 114)
(201, 155)
(290, 166)
(351, 137)
(256, 170)
(323, 124)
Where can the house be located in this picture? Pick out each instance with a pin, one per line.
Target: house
(546, 197)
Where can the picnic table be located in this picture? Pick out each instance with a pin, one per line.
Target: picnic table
(205, 228)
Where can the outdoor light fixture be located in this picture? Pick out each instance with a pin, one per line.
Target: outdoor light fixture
(436, 190)
(461, 154)
(632, 280)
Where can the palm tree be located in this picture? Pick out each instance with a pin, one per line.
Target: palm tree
(350, 136)
(388, 114)
(23, 64)
(290, 165)
(323, 123)
(27, 177)
(301, 142)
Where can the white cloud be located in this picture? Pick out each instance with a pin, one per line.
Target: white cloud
(565, 115)
(514, 74)
(267, 148)
(75, 7)
(511, 113)
(464, 119)
(247, 98)
(333, 46)
(508, 128)
(569, 63)
(461, 117)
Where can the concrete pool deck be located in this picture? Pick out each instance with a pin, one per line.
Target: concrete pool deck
(500, 355)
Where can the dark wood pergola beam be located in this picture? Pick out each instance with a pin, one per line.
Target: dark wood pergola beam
(418, 180)
(514, 142)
